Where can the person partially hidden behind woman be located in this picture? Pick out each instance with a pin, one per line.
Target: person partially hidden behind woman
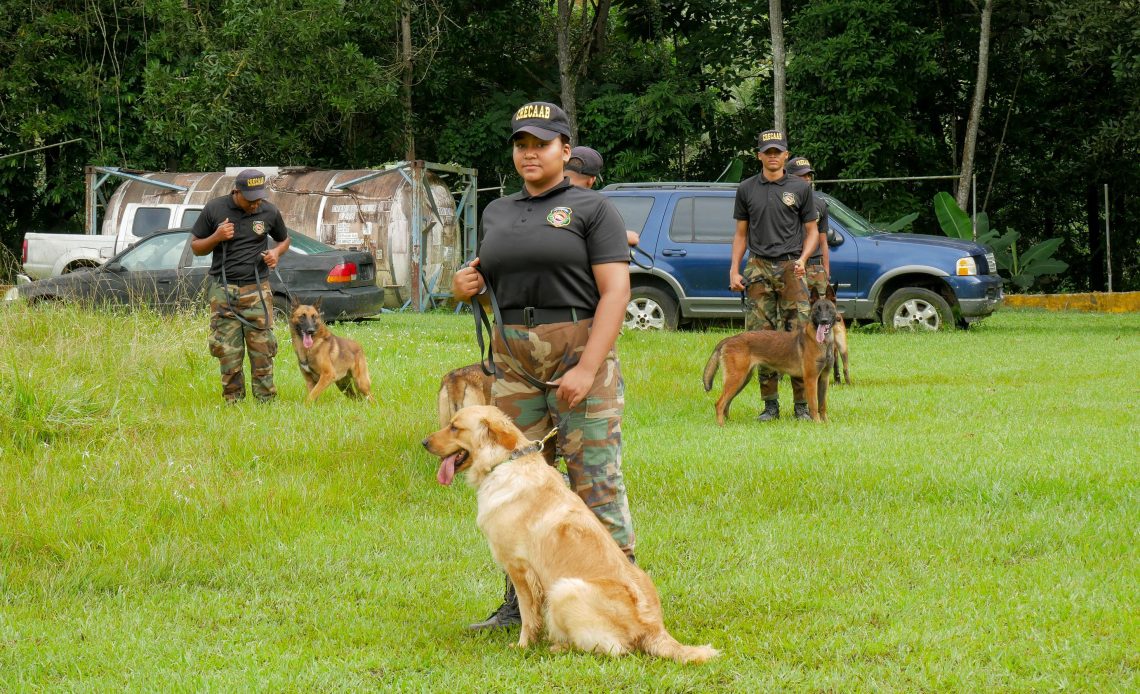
(556, 257)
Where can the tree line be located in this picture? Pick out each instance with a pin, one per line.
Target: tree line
(664, 89)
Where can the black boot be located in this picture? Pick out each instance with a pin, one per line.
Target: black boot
(771, 411)
(802, 411)
(507, 615)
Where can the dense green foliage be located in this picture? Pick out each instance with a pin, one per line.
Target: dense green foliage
(961, 524)
(678, 89)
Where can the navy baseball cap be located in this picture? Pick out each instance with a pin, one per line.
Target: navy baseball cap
(798, 166)
(252, 184)
(772, 139)
(585, 160)
(544, 120)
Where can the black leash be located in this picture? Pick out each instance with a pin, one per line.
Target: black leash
(486, 350)
(633, 258)
(226, 291)
(744, 292)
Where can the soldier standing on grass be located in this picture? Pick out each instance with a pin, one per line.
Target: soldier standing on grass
(776, 222)
(236, 229)
(555, 257)
(818, 274)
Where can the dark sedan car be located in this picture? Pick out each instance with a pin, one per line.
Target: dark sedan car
(162, 272)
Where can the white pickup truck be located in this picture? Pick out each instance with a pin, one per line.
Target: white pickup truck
(48, 255)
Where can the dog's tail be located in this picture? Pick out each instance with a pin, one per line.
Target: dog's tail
(712, 365)
(663, 645)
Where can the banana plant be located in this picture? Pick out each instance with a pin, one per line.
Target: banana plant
(1023, 270)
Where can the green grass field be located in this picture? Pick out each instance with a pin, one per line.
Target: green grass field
(967, 521)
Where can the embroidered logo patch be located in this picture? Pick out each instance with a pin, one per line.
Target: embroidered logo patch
(559, 217)
(259, 228)
(789, 199)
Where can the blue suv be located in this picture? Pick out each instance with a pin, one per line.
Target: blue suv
(906, 281)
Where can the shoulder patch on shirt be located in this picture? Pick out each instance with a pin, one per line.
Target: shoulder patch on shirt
(259, 228)
(559, 217)
(789, 199)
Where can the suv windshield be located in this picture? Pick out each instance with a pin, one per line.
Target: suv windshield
(851, 220)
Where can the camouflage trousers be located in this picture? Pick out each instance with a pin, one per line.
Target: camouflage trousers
(229, 338)
(589, 436)
(776, 300)
(816, 278)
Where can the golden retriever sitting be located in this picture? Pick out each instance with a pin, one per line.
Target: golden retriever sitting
(569, 574)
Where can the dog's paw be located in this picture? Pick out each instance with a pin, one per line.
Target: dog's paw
(559, 647)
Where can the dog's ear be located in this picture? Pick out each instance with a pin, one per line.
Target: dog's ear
(293, 303)
(831, 290)
(317, 303)
(814, 296)
(502, 431)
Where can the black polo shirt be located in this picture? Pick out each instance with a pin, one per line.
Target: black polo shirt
(776, 212)
(537, 250)
(821, 208)
(251, 232)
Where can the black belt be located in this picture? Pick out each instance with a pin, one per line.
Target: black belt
(779, 258)
(531, 316)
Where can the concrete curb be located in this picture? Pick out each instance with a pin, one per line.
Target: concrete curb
(1101, 302)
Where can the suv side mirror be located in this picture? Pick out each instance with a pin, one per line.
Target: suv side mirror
(834, 238)
(113, 267)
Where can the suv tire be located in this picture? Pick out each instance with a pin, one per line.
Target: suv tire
(650, 308)
(912, 308)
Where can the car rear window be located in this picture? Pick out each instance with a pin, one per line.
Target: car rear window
(634, 210)
(703, 220)
(149, 220)
(305, 245)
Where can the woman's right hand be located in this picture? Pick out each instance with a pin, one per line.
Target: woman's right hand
(467, 282)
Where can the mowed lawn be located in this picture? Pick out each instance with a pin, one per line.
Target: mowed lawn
(967, 521)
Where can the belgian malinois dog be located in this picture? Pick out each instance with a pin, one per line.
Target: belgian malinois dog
(325, 358)
(463, 387)
(808, 353)
(839, 330)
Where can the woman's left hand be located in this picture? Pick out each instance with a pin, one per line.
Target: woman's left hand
(574, 385)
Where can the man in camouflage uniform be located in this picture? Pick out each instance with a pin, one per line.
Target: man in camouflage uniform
(818, 273)
(241, 302)
(776, 222)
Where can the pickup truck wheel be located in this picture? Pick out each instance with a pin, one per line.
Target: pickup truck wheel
(650, 308)
(912, 308)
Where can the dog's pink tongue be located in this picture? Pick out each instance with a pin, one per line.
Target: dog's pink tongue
(307, 340)
(446, 471)
(821, 333)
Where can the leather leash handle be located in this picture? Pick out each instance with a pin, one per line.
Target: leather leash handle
(486, 353)
(633, 258)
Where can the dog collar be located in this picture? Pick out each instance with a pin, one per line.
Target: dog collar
(534, 447)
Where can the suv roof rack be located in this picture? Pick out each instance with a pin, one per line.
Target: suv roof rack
(672, 185)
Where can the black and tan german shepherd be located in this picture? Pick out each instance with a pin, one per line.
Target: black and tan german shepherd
(462, 387)
(808, 353)
(325, 358)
